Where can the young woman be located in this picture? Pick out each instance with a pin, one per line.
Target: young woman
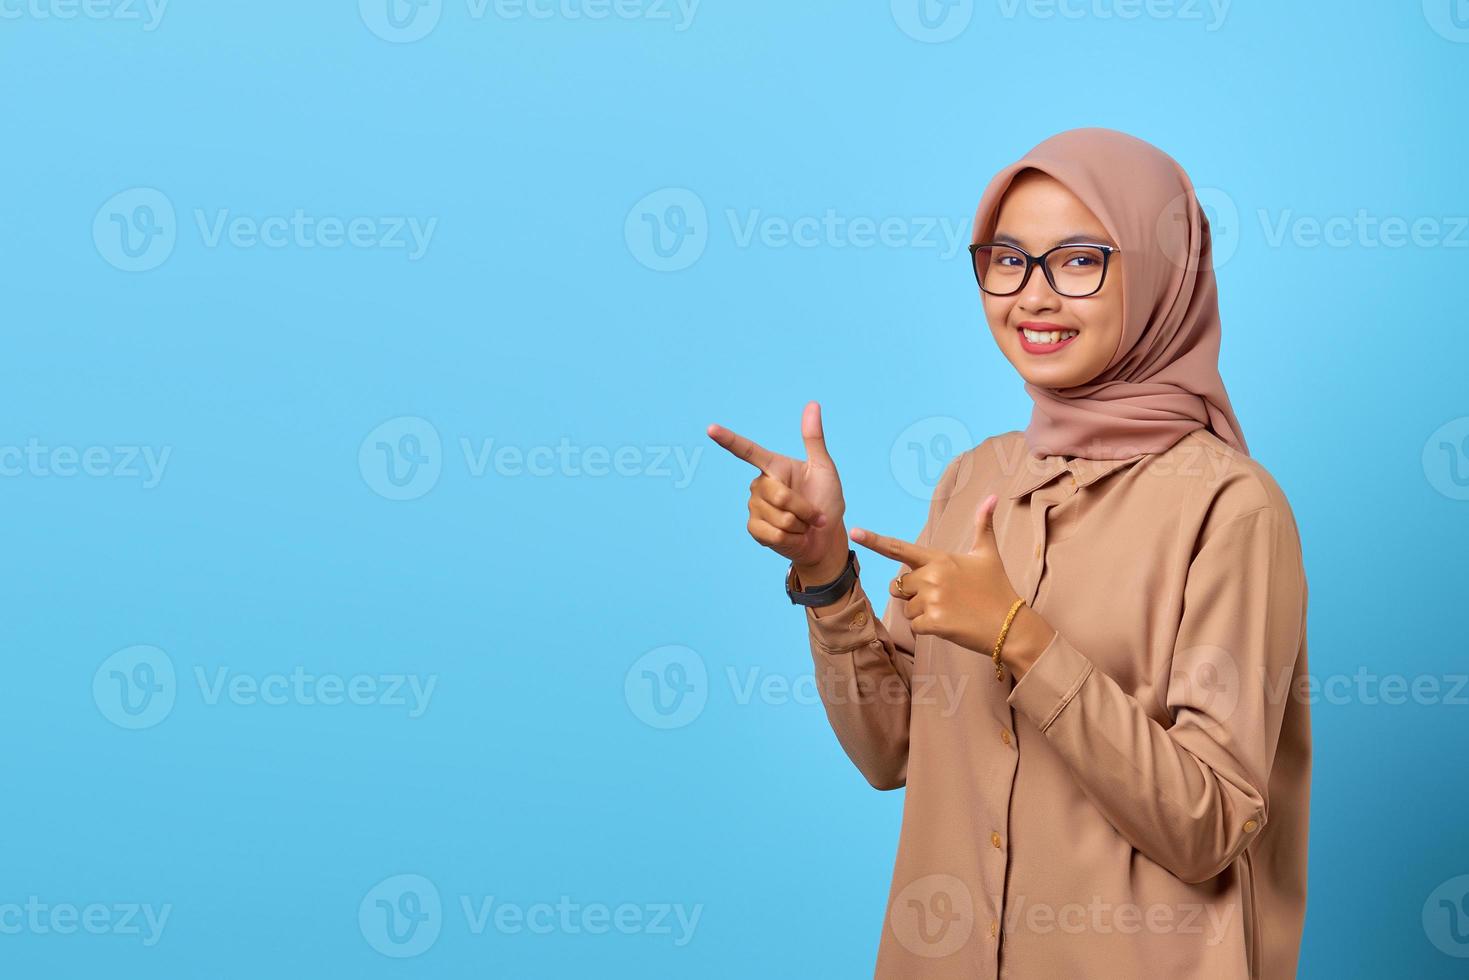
(1088, 674)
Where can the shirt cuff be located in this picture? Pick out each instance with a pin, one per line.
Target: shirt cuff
(1045, 690)
(844, 627)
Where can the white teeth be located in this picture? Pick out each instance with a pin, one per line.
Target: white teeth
(1047, 336)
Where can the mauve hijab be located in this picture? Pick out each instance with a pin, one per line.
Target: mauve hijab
(1163, 380)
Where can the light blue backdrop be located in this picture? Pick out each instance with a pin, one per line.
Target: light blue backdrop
(357, 364)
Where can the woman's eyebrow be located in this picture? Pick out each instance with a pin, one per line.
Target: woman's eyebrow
(1089, 237)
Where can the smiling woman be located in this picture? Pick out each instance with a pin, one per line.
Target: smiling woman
(1119, 784)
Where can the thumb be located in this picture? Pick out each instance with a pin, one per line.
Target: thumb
(984, 528)
(812, 433)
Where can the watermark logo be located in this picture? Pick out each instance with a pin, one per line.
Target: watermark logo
(402, 458)
(932, 21)
(135, 230)
(920, 453)
(148, 13)
(124, 462)
(1446, 917)
(405, 21)
(1207, 920)
(667, 687)
(40, 918)
(401, 21)
(933, 916)
(401, 916)
(668, 229)
(1179, 10)
(1205, 681)
(1221, 216)
(1448, 18)
(1446, 459)
(136, 687)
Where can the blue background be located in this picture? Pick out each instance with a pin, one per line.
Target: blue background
(544, 312)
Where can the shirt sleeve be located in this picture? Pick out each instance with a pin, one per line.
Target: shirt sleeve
(1190, 795)
(864, 668)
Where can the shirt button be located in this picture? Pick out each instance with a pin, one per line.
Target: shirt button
(995, 839)
(994, 928)
(1005, 736)
(1250, 825)
(1037, 551)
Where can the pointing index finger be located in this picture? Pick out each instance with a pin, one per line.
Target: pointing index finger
(747, 449)
(913, 555)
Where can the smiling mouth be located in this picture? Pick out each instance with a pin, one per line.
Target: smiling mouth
(1047, 336)
(1045, 341)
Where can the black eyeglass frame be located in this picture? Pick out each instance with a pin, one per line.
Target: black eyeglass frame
(1031, 261)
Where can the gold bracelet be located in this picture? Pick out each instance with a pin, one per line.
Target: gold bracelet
(1009, 618)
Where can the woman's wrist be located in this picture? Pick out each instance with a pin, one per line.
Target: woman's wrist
(821, 573)
(1028, 638)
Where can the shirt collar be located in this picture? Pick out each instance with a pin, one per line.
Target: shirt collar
(1034, 472)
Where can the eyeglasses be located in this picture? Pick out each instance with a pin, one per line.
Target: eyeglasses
(1072, 270)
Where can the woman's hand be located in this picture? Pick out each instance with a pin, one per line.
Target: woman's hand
(796, 506)
(963, 597)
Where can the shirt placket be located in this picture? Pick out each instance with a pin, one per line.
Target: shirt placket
(1042, 499)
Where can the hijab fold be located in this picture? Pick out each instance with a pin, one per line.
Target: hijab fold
(1163, 379)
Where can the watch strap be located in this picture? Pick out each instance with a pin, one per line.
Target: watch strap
(823, 595)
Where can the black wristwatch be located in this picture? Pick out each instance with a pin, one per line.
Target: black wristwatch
(823, 595)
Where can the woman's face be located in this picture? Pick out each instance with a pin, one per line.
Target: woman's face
(1036, 213)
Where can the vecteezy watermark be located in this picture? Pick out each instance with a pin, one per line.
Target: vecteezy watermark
(121, 462)
(406, 21)
(1448, 18)
(136, 230)
(669, 229)
(936, 21)
(299, 687)
(1366, 687)
(1210, 12)
(1207, 920)
(403, 915)
(669, 687)
(566, 917)
(1446, 458)
(38, 918)
(403, 458)
(1363, 230)
(1446, 917)
(147, 13)
(137, 687)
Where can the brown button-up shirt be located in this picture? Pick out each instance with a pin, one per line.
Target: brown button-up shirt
(1136, 804)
